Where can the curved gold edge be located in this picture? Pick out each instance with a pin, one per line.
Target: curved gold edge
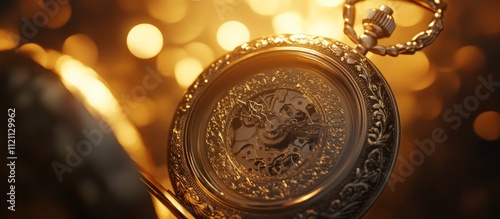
(166, 197)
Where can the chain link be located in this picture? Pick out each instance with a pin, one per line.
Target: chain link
(419, 41)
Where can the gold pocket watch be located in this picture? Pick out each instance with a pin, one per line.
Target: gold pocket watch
(292, 126)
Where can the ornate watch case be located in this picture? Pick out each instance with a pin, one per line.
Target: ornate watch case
(288, 126)
(284, 126)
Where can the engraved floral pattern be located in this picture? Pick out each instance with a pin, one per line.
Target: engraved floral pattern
(368, 176)
(275, 187)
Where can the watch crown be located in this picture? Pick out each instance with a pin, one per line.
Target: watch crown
(379, 21)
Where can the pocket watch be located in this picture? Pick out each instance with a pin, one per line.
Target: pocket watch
(292, 126)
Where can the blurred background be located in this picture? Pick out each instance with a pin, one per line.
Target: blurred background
(129, 63)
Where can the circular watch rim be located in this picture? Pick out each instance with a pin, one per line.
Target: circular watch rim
(349, 194)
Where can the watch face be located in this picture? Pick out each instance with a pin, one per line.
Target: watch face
(287, 126)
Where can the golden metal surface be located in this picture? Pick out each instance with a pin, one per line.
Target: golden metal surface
(367, 41)
(286, 126)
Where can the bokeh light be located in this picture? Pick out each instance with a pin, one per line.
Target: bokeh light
(76, 73)
(182, 37)
(426, 81)
(330, 3)
(81, 47)
(288, 22)
(265, 7)
(411, 70)
(412, 15)
(487, 125)
(143, 113)
(187, 70)
(36, 52)
(326, 22)
(186, 30)
(231, 34)
(168, 57)
(325, 27)
(469, 58)
(52, 57)
(200, 51)
(168, 11)
(84, 82)
(59, 17)
(7, 40)
(144, 41)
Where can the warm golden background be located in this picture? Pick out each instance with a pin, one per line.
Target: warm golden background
(104, 50)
